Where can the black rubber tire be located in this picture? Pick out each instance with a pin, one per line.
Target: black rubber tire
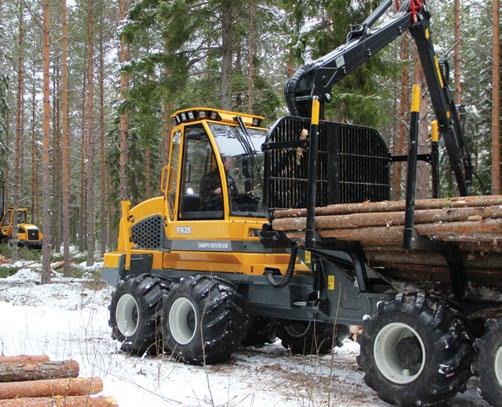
(261, 331)
(310, 338)
(220, 321)
(447, 345)
(487, 347)
(148, 292)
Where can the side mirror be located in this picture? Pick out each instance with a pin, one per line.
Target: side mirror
(189, 171)
(445, 70)
(163, 180)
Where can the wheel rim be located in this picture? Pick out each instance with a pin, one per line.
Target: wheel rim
(182, 320)
(399, 353)
(498, 365)
(127, 315)
(297, 329)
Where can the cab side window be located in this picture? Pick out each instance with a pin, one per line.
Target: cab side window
(6, 218)
(201, 192)
(173, 173)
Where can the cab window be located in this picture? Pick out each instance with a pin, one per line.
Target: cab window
(201, 192)
(6, 218)
(21, 217)
(173, 172)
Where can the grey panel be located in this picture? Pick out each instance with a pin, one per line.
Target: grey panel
(110, 276)
(222, 246)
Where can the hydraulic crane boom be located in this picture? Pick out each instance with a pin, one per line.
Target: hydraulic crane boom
(316, 80)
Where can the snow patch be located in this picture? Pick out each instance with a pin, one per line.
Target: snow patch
(69, 319)
(96, 266)
(26, 274)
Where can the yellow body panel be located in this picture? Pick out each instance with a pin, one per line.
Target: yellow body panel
(112, 260)
(199, 245)
(148, 208)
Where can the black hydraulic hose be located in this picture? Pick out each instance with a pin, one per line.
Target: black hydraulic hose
(286, 279)
(377, 13)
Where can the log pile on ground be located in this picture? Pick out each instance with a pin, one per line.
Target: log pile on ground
(474, 223)
(35, 381)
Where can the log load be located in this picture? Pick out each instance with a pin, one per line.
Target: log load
(24, 359)
(44, 388)
(61, 401)
(35, 381)
(13, 372)
(474, 223)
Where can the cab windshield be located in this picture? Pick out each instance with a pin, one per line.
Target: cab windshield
(21, 216)
(243, 161)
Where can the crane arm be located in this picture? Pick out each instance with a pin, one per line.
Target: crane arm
(316, 80)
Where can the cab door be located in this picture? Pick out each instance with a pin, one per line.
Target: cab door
(6, 225)
(199, 229)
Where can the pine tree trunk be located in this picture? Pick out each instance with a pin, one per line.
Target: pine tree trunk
(83, 180)
(227, 54)
(46, 247)
(102, 161)
(66, 144)
(456, 51)
(148, 173)
(404, 102)
(91, 182)
(34, 174)
(251, 51)
(19, 123)
(124, 56)
(239, 97)
(109, 216)
(496, 182)
(55, 160)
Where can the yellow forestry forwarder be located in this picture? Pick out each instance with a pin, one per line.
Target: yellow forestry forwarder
(201, 269)
(28, 235)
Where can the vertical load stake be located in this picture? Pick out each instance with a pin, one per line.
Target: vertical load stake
(411, 178)
(410, 239)
(312, 177)
(435, 158)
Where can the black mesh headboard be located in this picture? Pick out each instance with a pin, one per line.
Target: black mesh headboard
(353, 164)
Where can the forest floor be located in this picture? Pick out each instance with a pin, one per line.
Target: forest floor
(69, 319)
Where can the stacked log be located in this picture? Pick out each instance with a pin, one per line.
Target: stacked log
(474, 223)
(35, 381)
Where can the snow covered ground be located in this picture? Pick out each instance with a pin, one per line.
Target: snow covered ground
(68, 319)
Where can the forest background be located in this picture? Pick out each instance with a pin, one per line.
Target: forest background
(116, 70)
